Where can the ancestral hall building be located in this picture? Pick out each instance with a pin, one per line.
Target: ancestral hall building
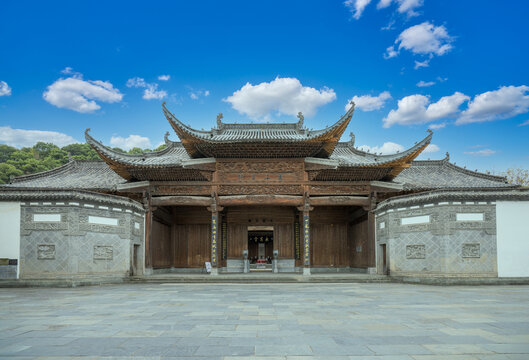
(255, 194)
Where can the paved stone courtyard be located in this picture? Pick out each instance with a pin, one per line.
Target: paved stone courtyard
(266, 321)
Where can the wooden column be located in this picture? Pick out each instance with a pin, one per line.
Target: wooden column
(215, 235)
(305, 209)
(148, 232)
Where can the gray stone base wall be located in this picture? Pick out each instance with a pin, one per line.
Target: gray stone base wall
(70, 238)
(442, 238)
(234, 265)
(8, 271)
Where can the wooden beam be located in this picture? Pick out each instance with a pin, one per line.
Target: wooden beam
(181, 201)
(279, 200)
(339, 201)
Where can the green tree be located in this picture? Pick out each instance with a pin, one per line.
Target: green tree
(5, 152)
(7, 171)
(41, 149)
(81, 152)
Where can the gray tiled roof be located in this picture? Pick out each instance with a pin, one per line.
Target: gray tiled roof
(88, 175)
(171, 156)
(422, 175)
(256, 132)
(348, 156)
(441, 174)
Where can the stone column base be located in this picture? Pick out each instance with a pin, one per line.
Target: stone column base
(214, 271)
(306, 271)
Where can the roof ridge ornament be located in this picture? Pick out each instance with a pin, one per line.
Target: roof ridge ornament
(301, 120)
(219, 121)
(352, 140)
(166, 138)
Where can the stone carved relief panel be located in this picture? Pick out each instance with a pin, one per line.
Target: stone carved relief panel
(103, 252)
(46, 252)
(471, 250)
(415, 252)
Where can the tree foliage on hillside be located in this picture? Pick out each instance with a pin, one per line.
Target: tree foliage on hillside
(45, 156)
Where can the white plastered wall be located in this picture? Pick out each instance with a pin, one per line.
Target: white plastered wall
(10, 231)
(512, 221)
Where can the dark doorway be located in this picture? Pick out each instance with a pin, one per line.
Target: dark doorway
(260, 244)
(135, 259)
(384, 259)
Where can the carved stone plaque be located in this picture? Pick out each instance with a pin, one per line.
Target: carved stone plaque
(471, 251)
(45, 252)
(415, 252)
(103, 252)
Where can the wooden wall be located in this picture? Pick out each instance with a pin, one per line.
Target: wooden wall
(281, 217)
(161, 246)
(329, 240)
(182, 235)
(191, 236)
(358, 237)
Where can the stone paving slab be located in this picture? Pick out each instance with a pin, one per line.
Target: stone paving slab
(288, 321)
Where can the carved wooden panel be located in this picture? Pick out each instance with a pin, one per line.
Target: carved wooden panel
(181, 190)
(338, 189)
(260, 189)
(260, 171)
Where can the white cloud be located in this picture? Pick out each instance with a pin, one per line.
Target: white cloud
(357, 7)
(69, 71)
(484, 152)
(284, 95)
(385, 149)
(425, 83)
(130, 142)
(389, 26)
(431, 149)
(390, 52)
(506, 102)
(150, 90)
(164, 77)
(79, 95)
(437, 126)
(368, 102)
(384, 4)
(421, 64)
(196, 94)
(417, 109)
(405, 6)
(5, 90)
(525, 123)
(26, 138)
(409, 6)
(423, 39)
(136, 82)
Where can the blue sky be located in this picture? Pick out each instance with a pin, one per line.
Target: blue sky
(108, 66)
